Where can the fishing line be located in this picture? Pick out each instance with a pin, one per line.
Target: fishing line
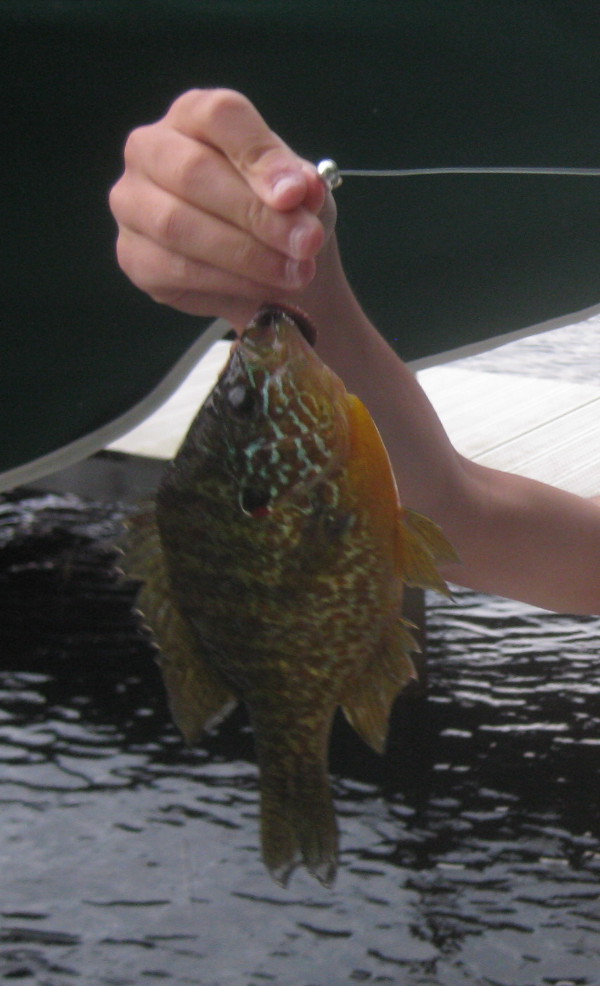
(333, 176)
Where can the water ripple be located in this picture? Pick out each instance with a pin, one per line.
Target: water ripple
(470, 852)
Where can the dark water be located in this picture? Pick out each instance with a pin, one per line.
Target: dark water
(470, 853)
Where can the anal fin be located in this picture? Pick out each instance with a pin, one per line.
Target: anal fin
(368, 702)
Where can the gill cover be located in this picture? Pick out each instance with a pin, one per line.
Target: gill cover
(282, 411)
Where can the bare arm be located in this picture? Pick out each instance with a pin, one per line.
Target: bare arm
(217, 215)
(515, 537)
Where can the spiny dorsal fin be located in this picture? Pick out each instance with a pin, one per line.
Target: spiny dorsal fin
(368, 704)
(421, 547)
(197, 698)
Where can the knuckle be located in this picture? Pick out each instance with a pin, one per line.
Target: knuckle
(220, 104)
(161, 295)
(255, 215)
(272, 230)
(186, 100)
(230, 118)
(122, 253)
(151, 271)
(258, 264)
(120, 198)
(207, 105)
(256, 153)
(187, 171)
(135, 145)
(115, 199)
(178, 273)
(244, 258)
(168, 223)
(128, 259)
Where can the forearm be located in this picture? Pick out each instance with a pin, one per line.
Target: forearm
(526, 540)
(515, 537)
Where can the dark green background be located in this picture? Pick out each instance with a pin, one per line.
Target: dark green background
(437, 262)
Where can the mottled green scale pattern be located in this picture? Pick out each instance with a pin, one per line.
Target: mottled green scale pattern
(279, 590)
(301, 579)
(288, 609)
(293, 438)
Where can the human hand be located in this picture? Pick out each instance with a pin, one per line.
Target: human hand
(216, 213)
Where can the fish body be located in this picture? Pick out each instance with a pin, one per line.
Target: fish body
(272, 564)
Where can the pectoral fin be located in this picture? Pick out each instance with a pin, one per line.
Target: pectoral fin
(421, 547)
(197, 698)
(368, 703)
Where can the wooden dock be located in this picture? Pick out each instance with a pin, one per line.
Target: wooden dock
(543, 427)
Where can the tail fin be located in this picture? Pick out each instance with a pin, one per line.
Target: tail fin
(298, 822)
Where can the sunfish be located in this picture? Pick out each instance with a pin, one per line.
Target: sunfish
(273, 562)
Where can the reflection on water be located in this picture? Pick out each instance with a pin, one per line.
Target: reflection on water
(470, 853)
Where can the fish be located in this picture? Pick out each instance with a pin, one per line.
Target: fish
(271, 566)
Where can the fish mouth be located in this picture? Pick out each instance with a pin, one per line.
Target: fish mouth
(267, 314)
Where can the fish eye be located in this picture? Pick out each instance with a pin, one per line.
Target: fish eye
(242, 400)
(254, 501)
(267, 317)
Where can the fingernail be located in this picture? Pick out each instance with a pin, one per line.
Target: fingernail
(300, 238)
(295, 272)
(286, 182)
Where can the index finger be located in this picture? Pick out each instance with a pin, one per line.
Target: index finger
(229, 122)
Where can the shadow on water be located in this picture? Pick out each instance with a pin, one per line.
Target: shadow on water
(470, 852)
